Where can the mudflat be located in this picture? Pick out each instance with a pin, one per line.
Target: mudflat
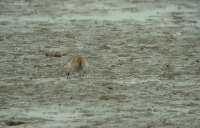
(144, 58)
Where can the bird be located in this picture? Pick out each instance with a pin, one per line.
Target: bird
(77, 64)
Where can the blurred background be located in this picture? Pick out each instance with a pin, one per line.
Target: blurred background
(144, 58)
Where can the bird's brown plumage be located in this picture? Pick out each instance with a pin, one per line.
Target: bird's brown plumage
(77, 64)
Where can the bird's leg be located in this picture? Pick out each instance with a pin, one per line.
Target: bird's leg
(67, 74)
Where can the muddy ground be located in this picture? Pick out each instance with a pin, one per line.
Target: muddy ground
(144, 58)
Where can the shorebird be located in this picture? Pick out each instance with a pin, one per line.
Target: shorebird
(77, 64)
